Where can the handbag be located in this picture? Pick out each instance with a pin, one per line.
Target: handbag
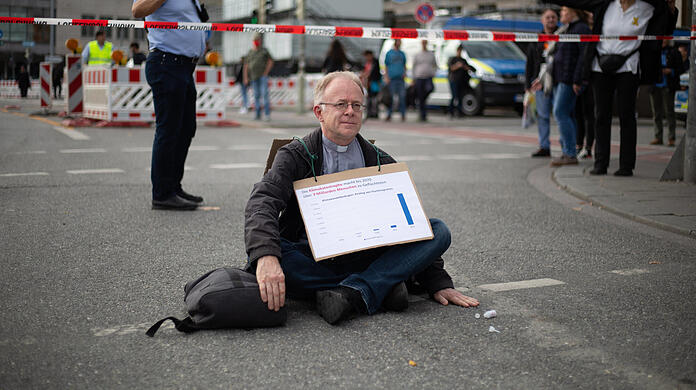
(224, 298)
(610, 63)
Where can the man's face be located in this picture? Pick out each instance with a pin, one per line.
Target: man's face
(101, 39)
(397, 44)
(340, 127)
(549, 20)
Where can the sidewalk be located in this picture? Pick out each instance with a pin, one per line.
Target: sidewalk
(642, 197)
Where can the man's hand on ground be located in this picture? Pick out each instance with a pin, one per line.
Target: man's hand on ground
(450, 295)
(271, 281)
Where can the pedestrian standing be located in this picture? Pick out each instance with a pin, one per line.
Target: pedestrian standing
(567, 71)
(57, 76)
(424, 68)
(169, 72)
(23, 81)
(615, 66)
(371, 78)
(662, 94)
(137, 57)
(458, 77)
(243, 87)
(536, 62)
(257, 66)
(585, 118)
(336, 59)
(98, 52)
(395, 62)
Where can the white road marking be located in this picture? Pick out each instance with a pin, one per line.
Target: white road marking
(533, 283)
(32, 152)
(237, 166)
(72, 133)
(24, 174)
(198, 148)
(502, 156)
(138, 149)
(414, 158)
(186, 168)
(94, 171)
(92, 150)
(459, 157)
(249, 147)
(275, 131)
(121, 330)
(630, 272)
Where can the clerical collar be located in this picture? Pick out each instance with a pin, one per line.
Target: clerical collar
(333, 146)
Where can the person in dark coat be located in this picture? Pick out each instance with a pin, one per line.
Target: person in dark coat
(336, 59)
(276, 240)
(662, 94)
(568, 81)
(57, 74)
(23, 81)
(372, 80)
(458, 77)
(639, 63)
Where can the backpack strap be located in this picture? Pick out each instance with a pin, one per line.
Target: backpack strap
(186, 325)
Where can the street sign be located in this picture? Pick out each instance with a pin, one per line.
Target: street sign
(1, 33)
(424, 13)
(53, 59)
(28, 43)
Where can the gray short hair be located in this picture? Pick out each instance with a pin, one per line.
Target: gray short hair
(324, 82)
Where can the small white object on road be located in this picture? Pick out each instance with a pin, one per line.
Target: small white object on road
(477, 315)
(490, 314)
(491, 329)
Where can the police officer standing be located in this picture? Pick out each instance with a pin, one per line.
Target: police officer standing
(169, 72)
(97, 52)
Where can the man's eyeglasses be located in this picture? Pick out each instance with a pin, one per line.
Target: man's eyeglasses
(342, 106)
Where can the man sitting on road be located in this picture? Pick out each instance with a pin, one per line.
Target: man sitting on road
(275, 237)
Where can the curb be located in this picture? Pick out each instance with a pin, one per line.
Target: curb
(619, 212)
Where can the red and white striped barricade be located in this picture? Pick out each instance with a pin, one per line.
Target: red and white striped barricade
(74, 82)
(122, 94)
(46, 84)
(10, 89)
(210, 87)
(282, 91)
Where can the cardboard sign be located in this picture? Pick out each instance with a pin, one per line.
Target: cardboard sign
(361, 209)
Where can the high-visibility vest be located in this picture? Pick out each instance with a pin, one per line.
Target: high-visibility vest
(99, 55)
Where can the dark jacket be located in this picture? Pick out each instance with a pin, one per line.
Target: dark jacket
(662, 22)
(23, 80)
(568, 58)
(675, 63)
(535, 57)
(274, 196)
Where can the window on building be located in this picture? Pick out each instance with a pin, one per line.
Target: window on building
(87, 31)
(18, 32)
(109, 33)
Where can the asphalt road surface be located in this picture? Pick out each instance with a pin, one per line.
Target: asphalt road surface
(87, 267)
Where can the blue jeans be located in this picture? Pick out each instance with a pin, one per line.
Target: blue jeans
(372, 272)
(398, 87)
(564, 111)
(174, 97)
(260, 87)
(457, 91)
(543, 108)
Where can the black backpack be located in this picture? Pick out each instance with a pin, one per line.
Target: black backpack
(224, 298)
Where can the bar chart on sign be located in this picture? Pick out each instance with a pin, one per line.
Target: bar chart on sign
(362, 212)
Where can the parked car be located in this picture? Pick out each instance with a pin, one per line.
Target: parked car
(497, 78)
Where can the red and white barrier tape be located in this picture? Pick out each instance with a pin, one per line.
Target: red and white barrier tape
(354, 32)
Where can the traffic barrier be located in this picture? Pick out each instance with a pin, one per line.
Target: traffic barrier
(10, 89)
(74, 80)
(282, 91)
(353, 32)
(122, 94)
(46, 81)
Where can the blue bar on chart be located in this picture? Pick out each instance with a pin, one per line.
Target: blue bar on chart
(405, 207)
